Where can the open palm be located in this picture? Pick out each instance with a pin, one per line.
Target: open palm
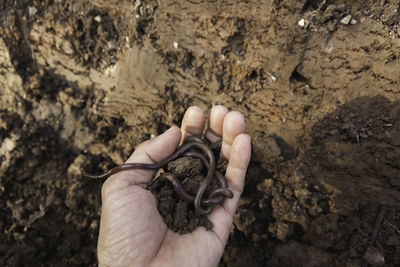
(133, 233)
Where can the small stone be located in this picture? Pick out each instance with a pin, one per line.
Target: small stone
(353, 22)
(302, 23)
(176, 45)
(273, 78)
(346, 20)
(97, 18)
(32, 11)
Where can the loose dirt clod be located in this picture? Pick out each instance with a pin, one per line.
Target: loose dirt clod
(180, 216)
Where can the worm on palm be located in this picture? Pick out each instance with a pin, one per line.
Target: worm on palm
(190, 148)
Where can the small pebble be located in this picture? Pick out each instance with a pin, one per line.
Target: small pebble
(272, 77)
(302, 23)
(97, 18)
(353, 22)
(32, 11)
(346, 20)
(176, 45)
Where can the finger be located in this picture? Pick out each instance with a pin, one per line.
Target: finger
(152, 151)
(215, 123)
(236, 171)
(233, 126)
(239, 160)
(193, 122)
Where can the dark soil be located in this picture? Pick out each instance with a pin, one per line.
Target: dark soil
(82, 83)
(177, 213)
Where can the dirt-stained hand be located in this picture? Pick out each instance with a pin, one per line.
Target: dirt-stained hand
(133, 233)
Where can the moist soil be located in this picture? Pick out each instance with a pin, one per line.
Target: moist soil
(82, 83)
(179, 215)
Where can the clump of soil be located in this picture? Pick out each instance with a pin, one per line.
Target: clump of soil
(179, 215)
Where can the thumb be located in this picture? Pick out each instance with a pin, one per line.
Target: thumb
(149, 152)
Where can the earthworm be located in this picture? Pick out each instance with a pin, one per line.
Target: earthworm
(216, 197)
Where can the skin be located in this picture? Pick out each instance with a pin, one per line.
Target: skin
(133, 233)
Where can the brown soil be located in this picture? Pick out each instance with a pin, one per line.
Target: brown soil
(180, 216)
(83, 82)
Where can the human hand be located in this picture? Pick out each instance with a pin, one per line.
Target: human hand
(133, 233)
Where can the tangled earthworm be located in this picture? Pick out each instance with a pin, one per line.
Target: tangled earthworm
(187, 149)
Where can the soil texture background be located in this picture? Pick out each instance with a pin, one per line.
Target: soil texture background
(82, 83)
